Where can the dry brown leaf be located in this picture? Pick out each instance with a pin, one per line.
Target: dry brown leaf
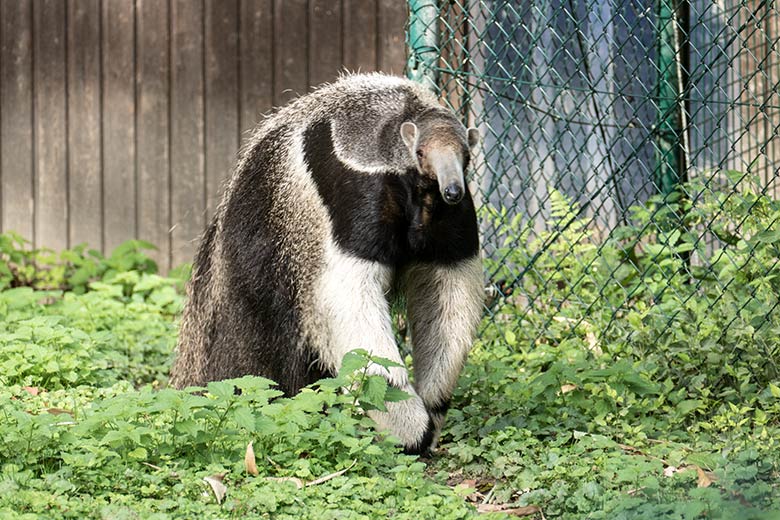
(514, 511)
(249, 460)
(295, 480)
(705, 479)
(32, 390)
(476, 496)
(593, 343)
(59, 411)
(468, 483)
(565, 389)
(215, 482)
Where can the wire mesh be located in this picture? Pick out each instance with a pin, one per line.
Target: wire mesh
(629, 157)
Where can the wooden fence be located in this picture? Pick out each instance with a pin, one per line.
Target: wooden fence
(122, 118)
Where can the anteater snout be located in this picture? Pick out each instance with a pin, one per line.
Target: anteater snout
(453, 193)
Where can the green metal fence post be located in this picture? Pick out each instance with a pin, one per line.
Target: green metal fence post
(423, 42)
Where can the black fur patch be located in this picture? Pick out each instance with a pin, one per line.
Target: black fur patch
(264, 290)
(388, 218)
(441, 408)
(423, 446)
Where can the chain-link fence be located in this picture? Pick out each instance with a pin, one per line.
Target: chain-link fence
(629, 158)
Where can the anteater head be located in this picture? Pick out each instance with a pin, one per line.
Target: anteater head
(440, 148)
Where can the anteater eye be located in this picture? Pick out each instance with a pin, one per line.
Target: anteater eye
(419, 154)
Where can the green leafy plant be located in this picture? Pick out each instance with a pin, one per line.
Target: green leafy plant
(658, 338)
(71, 269)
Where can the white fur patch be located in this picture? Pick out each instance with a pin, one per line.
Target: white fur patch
(407, 420)
(352, 298)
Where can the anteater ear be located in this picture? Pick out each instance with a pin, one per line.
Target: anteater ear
(473, 137)
(409, 134)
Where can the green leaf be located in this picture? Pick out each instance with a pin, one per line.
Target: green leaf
(394, 395)
(767, 236)
(265, 425)
(373, 449)
(244, 418)
(309, 400)
(384, 362)
(373, 392)
(138, 454)
(687, 406)
(224, 390)
(352, 361)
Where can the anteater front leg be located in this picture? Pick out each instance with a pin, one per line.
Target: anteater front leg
(353, 298)
(444, 306)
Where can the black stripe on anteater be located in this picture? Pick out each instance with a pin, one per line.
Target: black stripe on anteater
(387, 217)
(265, 290)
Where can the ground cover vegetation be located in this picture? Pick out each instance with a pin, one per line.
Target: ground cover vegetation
(641, 381)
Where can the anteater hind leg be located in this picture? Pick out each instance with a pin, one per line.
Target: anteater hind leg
(353, 298)
(444, 306)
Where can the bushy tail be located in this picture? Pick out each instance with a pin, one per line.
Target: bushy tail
(195, 335)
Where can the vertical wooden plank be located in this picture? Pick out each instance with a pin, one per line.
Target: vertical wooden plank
(152, 118)
(221, 96)
(290, 50)
(51, 130)
(16, 108)
(188, 181)
(325, 57)
(391, 56)
(360, 36)
(84, 183)
(256, 61)
(118, 123)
